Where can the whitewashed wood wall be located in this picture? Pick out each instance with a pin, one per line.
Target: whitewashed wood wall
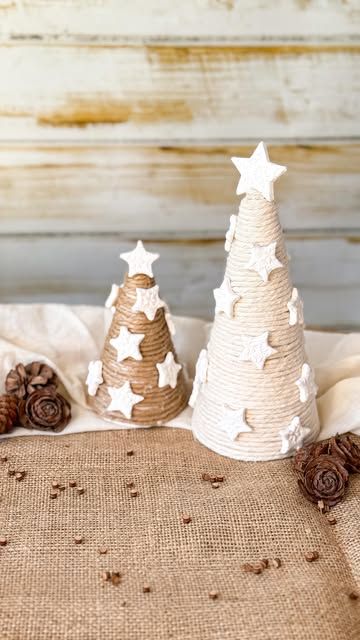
(117, 121)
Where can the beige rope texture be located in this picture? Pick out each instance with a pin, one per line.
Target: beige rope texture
(270, 396)
(159, 404)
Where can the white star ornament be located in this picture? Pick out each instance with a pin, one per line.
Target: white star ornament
(230, 234)
(295, 308)
(225, 298)
(257, 172)
(123, 399)
(256, 349)
(293, 436)
(263, 260)
(200, 376)
(94, 378)
(112, 297)
(148, 301)
(168, 371)
(306, 383)
(127, 344)
(139, 260)
(233, 422)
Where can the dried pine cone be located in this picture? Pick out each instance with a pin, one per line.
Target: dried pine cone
(8, 412)
(23, 380)
(346, 448)
(307, 453)
(324, 478)
(44, 409)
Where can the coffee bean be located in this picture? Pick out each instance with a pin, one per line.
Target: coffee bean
(257, 568)
(219, 478)
(186, 518)
(105, 575)
(353, 595)
(115, 578)
(133, 493)
(130, 484)
(11, 472)
(276, 563)
(215, 485)
(61, 487)
(311, 556)
(80, 491)
(19, 475)
(247, 567)
(331, 519)
(78, 539)
(206, 477)
(146, 588)
(213, 595)
(53, 494)
(55, 484)
(103, 550)
(72, 483)
(3, 541)
(130, 452)
(3, 458)
(265, 563)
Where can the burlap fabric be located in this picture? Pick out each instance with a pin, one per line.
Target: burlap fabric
(51, 588)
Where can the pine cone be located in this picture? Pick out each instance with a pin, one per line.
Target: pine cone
(23, 380)
(346, 448)
(44, 409)
(324, 478)
(8, 412)
(307, 453)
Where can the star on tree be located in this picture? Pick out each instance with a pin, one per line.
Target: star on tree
(257, 172)
(139, 260)
(233, 422)
(293, 436)
(230, 234)
(296, 308)
(200, 376)
(127, 344)
(225, 298)
(168, 371)
(256, 349)
(148, 301)
(306, 383)
(94, 378)
(263, 260)
(123, 399)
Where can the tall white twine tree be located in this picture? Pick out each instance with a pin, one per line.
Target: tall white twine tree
(254, 390)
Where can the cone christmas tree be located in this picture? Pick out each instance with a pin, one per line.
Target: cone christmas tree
(138, 379)
(254, 391)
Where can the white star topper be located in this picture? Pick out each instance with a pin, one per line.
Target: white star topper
(306, 384)
(256, 349)
(225, 298)
(123, 399)
(263, 260)
(295, 308)
(257, 172)
(139, 260)
(148, 301)
(233, 422)
(94, 378)
(200, 376)
(127, 344)
(168, 371)
(293, 436)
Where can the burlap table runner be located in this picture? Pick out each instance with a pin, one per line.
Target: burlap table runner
(52, 589)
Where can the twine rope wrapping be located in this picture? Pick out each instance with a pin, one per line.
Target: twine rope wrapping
(159, 404)
(270, 396)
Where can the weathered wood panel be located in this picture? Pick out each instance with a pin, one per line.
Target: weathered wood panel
(203, 93)
(191, 19)
(189, 191)
(81, 269)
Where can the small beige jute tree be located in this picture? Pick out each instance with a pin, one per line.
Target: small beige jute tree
(138, 378)
(254, 390)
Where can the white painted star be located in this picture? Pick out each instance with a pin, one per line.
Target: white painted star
(148, 301)
(256, 349)
(293, 436)
(263, 260)
(127, 344)
(257, 172)
(233, 422)
(200, 376)
(229, 237)
(94, 378)
(123, 399)
(225, 298)
(306, 384)
(112, 297)
(139, 260)
(296, 308)
(168, 371)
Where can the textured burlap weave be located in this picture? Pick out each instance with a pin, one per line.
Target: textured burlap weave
(51, 588)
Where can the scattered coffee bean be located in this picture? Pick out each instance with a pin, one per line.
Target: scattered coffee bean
(55, 484)
(19, 475)
(78, 539)
(275, 563)
(146, 588)
(11, 472)
(264, 562)
(247, 567)
(353, 595)
(105, 575)
(115, 578)
(123, 603)
(61, 487)
(130, 484)
(206, 477)
(215, 485)
(219, 478)
(130, 452)
(103, 550)
(186, 518)
(331, 519)
(53, 494)
(213, 595)
(80, 491)
(72, 483)
(3, 541)
(311, 556)
(3, 458)
(257, 568)
(133, 493)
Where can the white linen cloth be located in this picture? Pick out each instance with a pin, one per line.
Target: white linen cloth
(68, 337)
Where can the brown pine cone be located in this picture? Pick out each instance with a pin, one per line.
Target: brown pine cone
(307, 453)
(324, 478)
(8, 412)
(44, 409)
(23, 380)
(346, 448)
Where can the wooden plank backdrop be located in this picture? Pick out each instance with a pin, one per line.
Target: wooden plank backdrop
(118, 120)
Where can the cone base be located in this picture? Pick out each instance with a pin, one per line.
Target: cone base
(157, 421)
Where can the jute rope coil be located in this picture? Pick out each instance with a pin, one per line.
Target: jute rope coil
(269, 395)
(160, 404)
